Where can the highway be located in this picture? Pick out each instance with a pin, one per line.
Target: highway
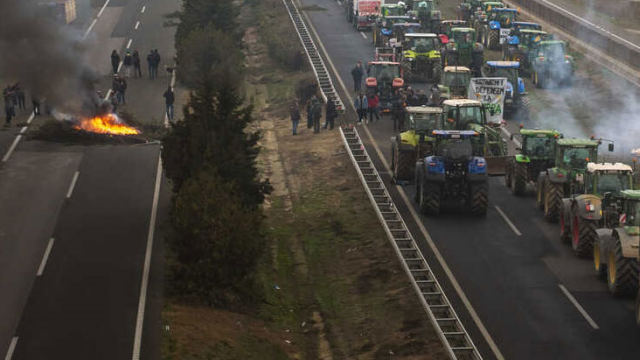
(522, 294)
(80, 272)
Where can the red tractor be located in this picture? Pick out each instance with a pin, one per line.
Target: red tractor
(384, 78)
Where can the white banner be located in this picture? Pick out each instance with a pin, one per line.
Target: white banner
(504, 34)
(489, 91)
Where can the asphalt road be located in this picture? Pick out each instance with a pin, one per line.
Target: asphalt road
(514, 282)
(78, 296)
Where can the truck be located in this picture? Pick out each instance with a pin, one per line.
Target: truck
(62, 11)
(363, 13)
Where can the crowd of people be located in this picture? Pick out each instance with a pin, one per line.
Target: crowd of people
(313, 110)
(15, 100)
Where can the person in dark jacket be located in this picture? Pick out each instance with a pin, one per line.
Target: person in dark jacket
(22, 101)
(362, 105)
(35, 101)
(169, 98)
(156, 63)
(316, 113)
(357, 74)
(136, 63)
(308, 108)
(295, 116)
(115, 61)
(127, 63)
(330, 113)
(7, 94)
(150, 64)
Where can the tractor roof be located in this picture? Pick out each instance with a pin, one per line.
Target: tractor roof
(504, 64)
(454, 22)
(551, 42)
(504, 10)
(493, 3)
(462, 29)
(406, 24)
(578, 142)
(525, 23)
(456, 69)
(391, 6)
(424, 110)
(536, 132)
(418, 35)
(384, 63)
(593, 167)
(532, 31)
(454, 133)
(631, 194)
(462, 102)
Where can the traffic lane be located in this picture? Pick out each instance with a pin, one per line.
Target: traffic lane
(84, 305)
(33, 185)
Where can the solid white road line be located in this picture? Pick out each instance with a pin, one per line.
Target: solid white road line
(120, 66)
(73, 184)
(143, 9)
(12, 348)
(129, 43)
(137, 24)
(137, 339)
(45, 257)
(508, 221)
(423, 230)
(363, 34)
(579, 307)
(103, 7)
(17, 140)
(93, 23)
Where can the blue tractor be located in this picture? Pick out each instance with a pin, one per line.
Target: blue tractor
(516, 100)
(500, 23)
(455, 172)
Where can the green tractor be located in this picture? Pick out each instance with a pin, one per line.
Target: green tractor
(429, 16)
(421, 58)
(615, 251)
(447, 25)
(480, 19)
(462, 50)
(566, 177)
(466, 114)
(598, 207)
(454, 83)
(467, 8)
(522, 46)
(552, 66)
(415, 141)
(537, 154)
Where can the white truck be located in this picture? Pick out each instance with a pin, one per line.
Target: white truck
(363, 13)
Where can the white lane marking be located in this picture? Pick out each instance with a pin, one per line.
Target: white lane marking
(506, 132)
(12, 348)
(579, 307)
(423, 230)
(93, 23)
(363, 34)
(137, 24)
(120, 66)
(103, 7)
(45, 257)
(508, 221)
(73, 184)
(129, 43)
(143, 9)
(137, 339)
(17, 139)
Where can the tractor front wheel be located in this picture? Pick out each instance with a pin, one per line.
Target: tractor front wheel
(622, 272)
(519, 178)
(552, 200)
(429, 198)
(583, 236)
(598, 265)
(524, 107)
(404, 163)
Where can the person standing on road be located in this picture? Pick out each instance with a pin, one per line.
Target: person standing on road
(122, 87)
(330, 113)
(308, 108)
(316, 110)
(295, 117)
(373, 107)
(22, 102)
(169, 98)
(128, 63)
(362, 105)
(156, 63)
(35, 101)
(8, 103)
(115, 61)
(136, 63)
(357, 74)
(150, 64)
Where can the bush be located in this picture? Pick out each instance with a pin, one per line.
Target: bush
(283, 44)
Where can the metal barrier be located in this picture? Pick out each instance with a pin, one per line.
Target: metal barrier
(441, 314)
(317, 64)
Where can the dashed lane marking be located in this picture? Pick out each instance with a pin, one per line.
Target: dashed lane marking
(137, 25)
(17, 139)
(143, 9)
(129, 43)
(575, 303)
(508, 221)
(363, 34)
(12, 348)
(45, 257)
(73, 184)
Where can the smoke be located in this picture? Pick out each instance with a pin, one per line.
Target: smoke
(48, 59)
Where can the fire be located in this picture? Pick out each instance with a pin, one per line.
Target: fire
(106, 124)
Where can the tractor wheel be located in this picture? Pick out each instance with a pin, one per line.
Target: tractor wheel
(598, 265)
(479, 198)
(509, 173)
(622, 273)
(552, 200)
(494, 40)
(407, 71)
(540, 191)
(519, 179)
(429, 198)
(437, 72)
(404, 163)
(565, 230)
(583, 235)
(524, 107)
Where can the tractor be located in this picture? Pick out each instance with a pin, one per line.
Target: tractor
(384, 78)
(615, 251)
(467, 8)
(462, 50)
(385, 54)
(596, 208)
(382, 29)
(454, 83)
(399, 32)
(500, 23)
(516, 100)
(537, 153)
(389, 10)
(429, 16)
(421, 58)
(523, 25)
(479, 19)
(447, 25)
(566, 177)
(552, 65)
(522, 46)
(465, 114)
(414, 141)
(456, 171)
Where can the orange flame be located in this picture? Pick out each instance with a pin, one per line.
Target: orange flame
(107, 124)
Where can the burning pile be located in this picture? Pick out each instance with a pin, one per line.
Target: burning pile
(106, 124)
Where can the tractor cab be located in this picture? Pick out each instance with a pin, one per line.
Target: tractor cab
(509, 70)
(501, 18)
(539, 145)
(422, 120)
(522, 25)
(463, 38)
(526, 37)
(401, 30)
(553, 50)
(630, 217)
(603, 178)
(454, 82)
(482, 11)
(420, 44)
(457, 145)
(446, 29)
(575, 154)
(463, 114)
(393, 10)
(384, 74)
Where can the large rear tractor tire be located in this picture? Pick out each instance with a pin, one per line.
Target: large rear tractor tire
(404, 165)
(622, 273)
(429, 198)
(524, 107)
(598, 265)
(583, 236)
(552, 200)
(437, 71)
(519, 179)
(540, 191)
(479, 198)
(494, 40)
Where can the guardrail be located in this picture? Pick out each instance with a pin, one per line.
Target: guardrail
(444, 318)
(317, 64)
(613, 45)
